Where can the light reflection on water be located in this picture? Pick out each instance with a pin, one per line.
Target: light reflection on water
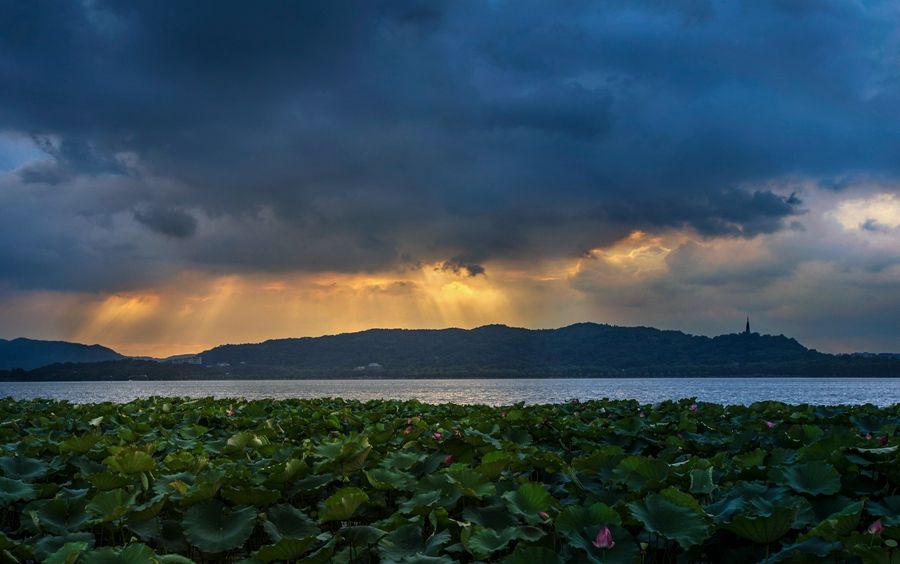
(826, 391)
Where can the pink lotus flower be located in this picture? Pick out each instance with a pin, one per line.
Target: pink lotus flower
(604, 539)
(448, 459)
(408, 430)
(641, 414)
(229, 413)
(503, 414)
(868, 436)
(876, 528)
(770, 424)
(437, 436)
(694, 407)
(543, 515)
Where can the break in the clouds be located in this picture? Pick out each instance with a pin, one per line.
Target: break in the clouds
(140, 141)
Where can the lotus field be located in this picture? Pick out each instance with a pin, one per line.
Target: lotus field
(170, 480)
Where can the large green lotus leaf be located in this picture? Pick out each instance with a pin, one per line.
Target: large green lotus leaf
(638, 472)
(469, 481)
(814, 478)
(495, 516)
(173, 559)
(702, 481)
(810, 550)
(673, 521)
(46, 545)
(888, 509)
(763, 529)
(531, 555)
(402, 543)
(67, 554)
(752, 459)
(838, 524)
(286, 550)
(23, 468)
(388, 479)
(79, 444)
(683, 499)
(482, 542)
(171, 536)
(246, 440)
(111, 505)
(342, 505)
(15, 490)
(58, 516)
(130, 461)
(528, 501)
(286, 471)
(149, 509)
(250, 495)
(574, 518)
(108, 480)
(131, 554)
(213, 527)
(288, 521)
(494, 462)
(402, 460)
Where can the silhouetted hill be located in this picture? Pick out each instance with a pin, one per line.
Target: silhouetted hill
(31, 353)
(582, 350)
(585, 345)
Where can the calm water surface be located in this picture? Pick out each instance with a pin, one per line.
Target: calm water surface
(828, 391)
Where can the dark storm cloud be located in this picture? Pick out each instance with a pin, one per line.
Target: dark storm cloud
(347, 135)
(167, 221)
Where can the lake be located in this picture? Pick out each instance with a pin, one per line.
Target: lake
(826, 391)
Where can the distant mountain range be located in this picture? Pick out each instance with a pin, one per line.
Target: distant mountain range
(29, 353)
(580, 350)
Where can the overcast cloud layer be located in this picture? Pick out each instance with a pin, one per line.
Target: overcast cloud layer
(143, 140)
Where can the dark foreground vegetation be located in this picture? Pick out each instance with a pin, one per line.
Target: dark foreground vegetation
(387, 481)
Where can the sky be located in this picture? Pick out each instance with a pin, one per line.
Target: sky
(179, 175)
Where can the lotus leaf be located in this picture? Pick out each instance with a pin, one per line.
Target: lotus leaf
(15, 490)
(529, 500)
(130, 461)
(532, 555)
(111, 505)
(673, 521)
(47, 545)
(482, 542)
(23, 468)
(286, 549)
(131, 554)
(342, 505)
(288, 521)
(469, 481)
(763, 529)
(815, 478)
(58, 516)
(213, 527)
(67, 554)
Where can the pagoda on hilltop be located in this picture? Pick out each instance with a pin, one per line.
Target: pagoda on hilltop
(747, 327)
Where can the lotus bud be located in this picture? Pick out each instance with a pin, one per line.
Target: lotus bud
(770, 424)
(876, 528)
(604, 539)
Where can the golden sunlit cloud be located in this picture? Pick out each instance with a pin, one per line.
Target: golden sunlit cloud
(880, 210)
